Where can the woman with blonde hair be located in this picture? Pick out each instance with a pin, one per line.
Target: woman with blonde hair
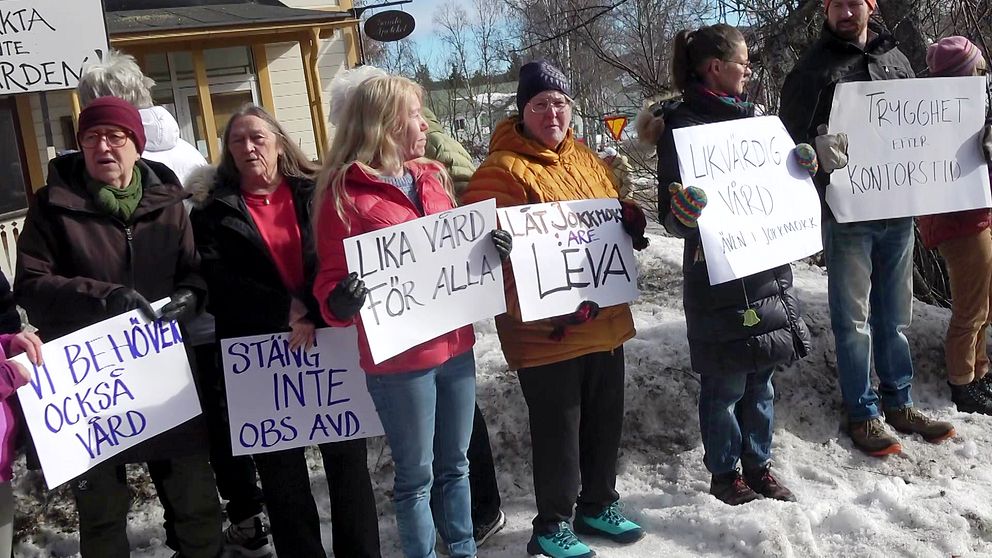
(375, 177)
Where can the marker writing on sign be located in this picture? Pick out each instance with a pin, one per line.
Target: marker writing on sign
(883, 111)
(537, 221)
(733, 155)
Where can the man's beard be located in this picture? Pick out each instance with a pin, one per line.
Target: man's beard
(848, 33)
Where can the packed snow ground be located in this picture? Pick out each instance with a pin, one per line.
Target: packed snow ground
(930, 501)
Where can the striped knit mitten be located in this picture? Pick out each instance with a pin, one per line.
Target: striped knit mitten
(806, 156)
(687, 203)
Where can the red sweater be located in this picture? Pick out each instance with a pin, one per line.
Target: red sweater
(275, 216)
(377, 205)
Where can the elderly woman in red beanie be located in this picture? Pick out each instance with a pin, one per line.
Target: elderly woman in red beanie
(107, 234)
(964, 239)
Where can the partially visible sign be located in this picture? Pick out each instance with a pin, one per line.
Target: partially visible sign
(388, 26)
(106, 388)
(568, 252)
(280, 398)
(914, 148)
(615, 124)
(427, 277)
(763, 209)
(46, 43)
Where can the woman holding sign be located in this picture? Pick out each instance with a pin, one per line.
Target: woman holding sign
(108, 234)
(570, 367)
(739, 331)
(375, 177)
(964, 239)
(252, 225)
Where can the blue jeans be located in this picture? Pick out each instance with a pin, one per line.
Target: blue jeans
(427, 416)
(736, 412)
(870, 289)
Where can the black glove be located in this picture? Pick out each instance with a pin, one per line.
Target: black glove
(348, 297)
(987, 143)
(182, 306)
(587, 310)
(123, 299)
(503, 241)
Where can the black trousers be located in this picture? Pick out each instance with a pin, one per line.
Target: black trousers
(576, 419)
(293, 512)
(235, 475)
(185, 487)
(482, 473)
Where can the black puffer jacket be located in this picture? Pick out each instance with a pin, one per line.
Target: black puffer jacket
(719, 343)
(247, 294)
(808, 92)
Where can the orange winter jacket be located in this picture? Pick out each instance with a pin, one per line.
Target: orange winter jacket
(520, 171)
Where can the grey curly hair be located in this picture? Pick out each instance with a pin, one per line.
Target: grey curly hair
(117, 75)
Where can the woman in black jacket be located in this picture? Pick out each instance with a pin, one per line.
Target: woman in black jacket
(251, 221)
(739, 331)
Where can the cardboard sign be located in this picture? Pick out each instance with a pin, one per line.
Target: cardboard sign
(427, 277)
(762, 209)
(46, 43)
(914, 148)
(279, 398)
(567, 252)
(104, 389)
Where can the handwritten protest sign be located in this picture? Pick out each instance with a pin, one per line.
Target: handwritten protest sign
(567, 252)
(913, 148)
(762, 210)
(278, 398)
(46, 43)
(104, 389)
(427, 277)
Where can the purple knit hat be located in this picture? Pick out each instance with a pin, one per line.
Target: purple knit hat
(952, 56)
(114, 111)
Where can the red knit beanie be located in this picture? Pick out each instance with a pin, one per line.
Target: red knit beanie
(873, 4)
(113, 111)
(952, 56)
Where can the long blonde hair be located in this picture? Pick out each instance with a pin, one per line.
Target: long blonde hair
(375, 111)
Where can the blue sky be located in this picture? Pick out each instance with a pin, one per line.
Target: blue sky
(423, 12)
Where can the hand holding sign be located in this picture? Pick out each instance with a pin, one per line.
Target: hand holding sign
(806, 156)
(687, 203)
(503, 242)
(348, 297)
(831, 149)
(634, 222)
(123, 299)
(181, 307)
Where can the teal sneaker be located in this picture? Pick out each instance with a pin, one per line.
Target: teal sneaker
(610, 523)
(559, 544)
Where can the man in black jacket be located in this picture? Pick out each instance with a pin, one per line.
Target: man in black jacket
(869, 263)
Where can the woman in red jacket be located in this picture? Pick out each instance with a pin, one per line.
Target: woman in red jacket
(376, 177)
(965, 241)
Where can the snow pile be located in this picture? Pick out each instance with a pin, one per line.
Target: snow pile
(932, 500)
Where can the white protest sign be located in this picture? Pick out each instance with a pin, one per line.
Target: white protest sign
(427, 277)
(567, 252)
(762, 209)
(913, 148)
(46, 43)
(278, 398)
(104, 389)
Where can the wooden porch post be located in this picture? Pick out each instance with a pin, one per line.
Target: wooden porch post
(313, 95)
(261, 59)
(206, 106)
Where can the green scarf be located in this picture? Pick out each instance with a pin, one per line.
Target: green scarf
(117, 202)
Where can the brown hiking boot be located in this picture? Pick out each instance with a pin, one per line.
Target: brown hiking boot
(871, 437)
(908, 420)
(731, 489)
(762, 482)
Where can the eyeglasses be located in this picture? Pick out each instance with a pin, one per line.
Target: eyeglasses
(559, 105)
(114, 139)
(746, 65)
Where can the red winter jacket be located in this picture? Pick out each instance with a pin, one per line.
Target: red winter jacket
(377, 205)
(938, 229)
